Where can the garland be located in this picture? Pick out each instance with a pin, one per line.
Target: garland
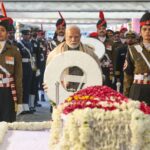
(31, 126)
(3, 130)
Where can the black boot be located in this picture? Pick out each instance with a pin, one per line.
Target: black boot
(51, 109)
(42, 98)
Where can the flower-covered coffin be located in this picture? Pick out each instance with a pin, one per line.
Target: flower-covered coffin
(99, 118)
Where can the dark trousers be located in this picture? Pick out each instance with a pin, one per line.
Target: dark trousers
(7, 105)
(34, 86)
(41, 78)
(140, 92)
(27, 79)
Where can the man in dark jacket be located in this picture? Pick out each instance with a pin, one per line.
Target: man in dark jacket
(26, 49)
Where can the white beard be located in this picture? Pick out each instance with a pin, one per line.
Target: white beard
(74, 46)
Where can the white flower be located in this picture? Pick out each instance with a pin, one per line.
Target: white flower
(3, 130)
(4, 126)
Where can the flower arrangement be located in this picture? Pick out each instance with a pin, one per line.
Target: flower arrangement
(101, 97)
(3, 130)
(99, 118)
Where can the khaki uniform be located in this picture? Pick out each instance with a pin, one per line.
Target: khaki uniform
(14, 69)
(10, 68)
(136, 75)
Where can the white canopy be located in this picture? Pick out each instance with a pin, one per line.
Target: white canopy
(75, 12)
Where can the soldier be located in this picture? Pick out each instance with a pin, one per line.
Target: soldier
(10, 74)
(106, 61)
(25, 48)
(119, 59)
(110, 34)
(122, 33)
(116, 40)
(59, 35)
(36, 71)
(43, 52)
(11, 36)
(137, 65)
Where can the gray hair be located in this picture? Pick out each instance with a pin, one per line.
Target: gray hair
(73, 27)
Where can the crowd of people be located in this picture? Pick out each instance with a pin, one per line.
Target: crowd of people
(125, 64)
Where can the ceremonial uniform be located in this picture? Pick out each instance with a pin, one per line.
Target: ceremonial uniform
(25, 48)
(119, 59)
(59, 34)
(35, 74)
(10, 77)
(12, 42)
(54, 43)
(120, 55)
(137, 75)
(106, 61)
(107, 64)
(10, 82)
(137, 65)
(116, 45)
(42, 60)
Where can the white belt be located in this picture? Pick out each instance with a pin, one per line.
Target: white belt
(25, 60)
(141, 77)
(5, 80)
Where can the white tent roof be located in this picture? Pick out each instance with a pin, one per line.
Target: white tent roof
(75, 12)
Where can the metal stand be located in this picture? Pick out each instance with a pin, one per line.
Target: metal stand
(57, 92)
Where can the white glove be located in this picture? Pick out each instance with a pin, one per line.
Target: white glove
(118, 84)
(38, 73)
(113, 80)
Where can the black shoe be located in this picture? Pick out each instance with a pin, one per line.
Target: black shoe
(38, 105)
(42, 98)
(23, 113)
(29, 112)
(32, 109)
(26, 112)
(51, 109)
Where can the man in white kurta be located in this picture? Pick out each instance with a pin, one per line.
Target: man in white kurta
(72, 42)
